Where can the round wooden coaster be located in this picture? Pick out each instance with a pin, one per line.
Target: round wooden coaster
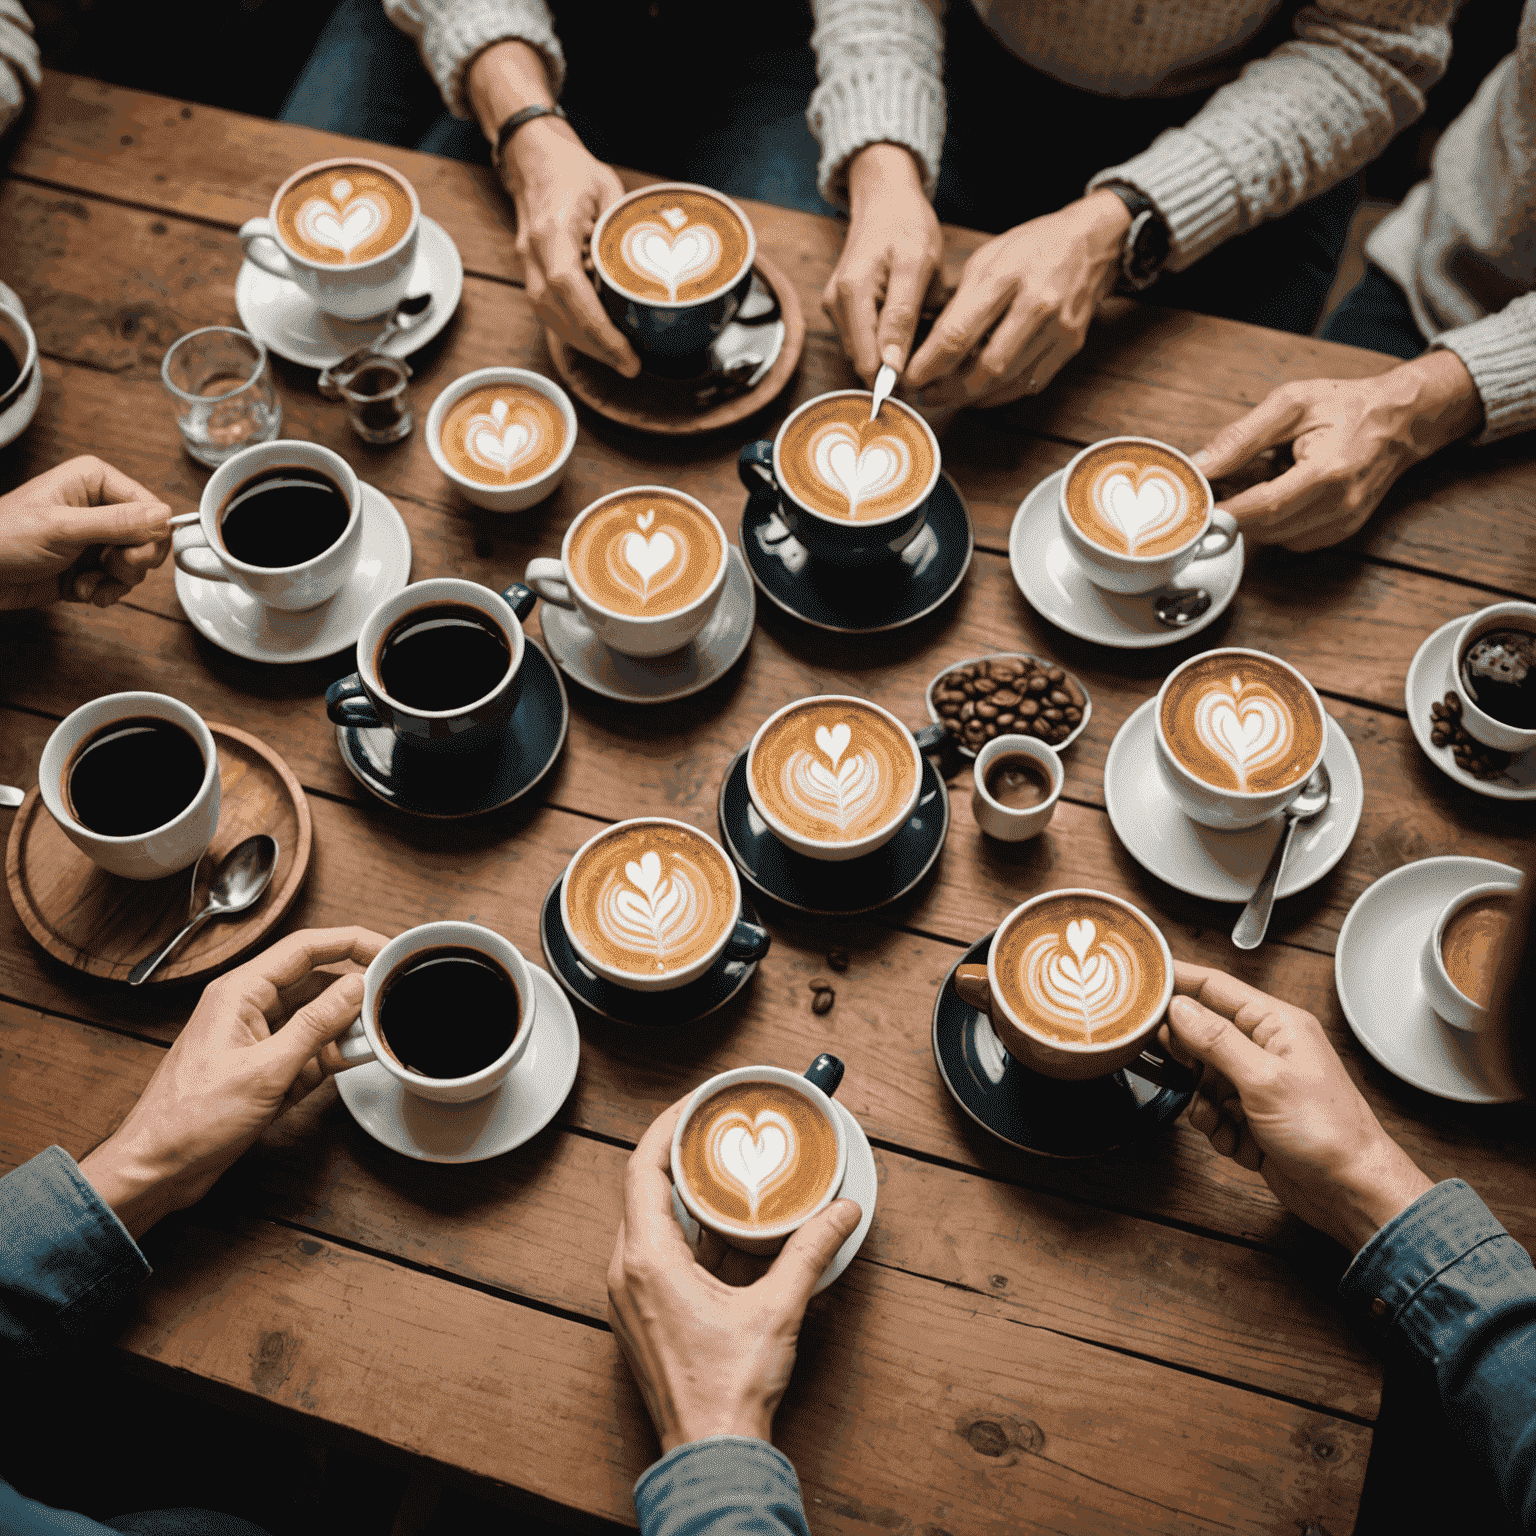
(668, 406)
(104, 925)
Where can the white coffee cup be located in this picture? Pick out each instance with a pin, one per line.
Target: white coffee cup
(1229, 810)
(1445, 997)
(363, 1042)
(1142, 573)
(350, 290)
(761, 1239)
(199, 550)
(628, 634)
(525, 493)
(1480, 725)
(18, 405)
(177, 845)
(1013, 824)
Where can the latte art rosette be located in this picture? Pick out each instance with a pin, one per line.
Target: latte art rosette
(1078, 981)
(657, 911)
(1245, 726)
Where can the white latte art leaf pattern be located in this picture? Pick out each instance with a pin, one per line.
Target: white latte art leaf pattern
(674, 253)
(655, 908)
(499, 440)
(1144, 502)
(828, 786)
(752, 1156)
(857, 475)
(1245, 725)
(1078, 981)
(342, 222)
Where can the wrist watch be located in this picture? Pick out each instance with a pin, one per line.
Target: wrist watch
(516, 121)
(1145, 251)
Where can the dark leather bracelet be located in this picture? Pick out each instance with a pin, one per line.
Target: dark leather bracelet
(1146, 242)
(516, 121)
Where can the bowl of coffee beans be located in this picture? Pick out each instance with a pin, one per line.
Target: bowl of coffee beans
(1008, 695)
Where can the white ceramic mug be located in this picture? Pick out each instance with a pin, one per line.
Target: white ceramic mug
(1229, 810)
(1013, 824)
(1445, 997)
(200, 551)
(765, 1239)
(350, 290)
(525, 493)
(146, 855)
(363, 1043)
(1142, 573)
(18, 405)
(1480, 725)
(629, 634)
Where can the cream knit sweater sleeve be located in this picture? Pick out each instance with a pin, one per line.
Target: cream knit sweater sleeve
(19, 67)
(450, 33)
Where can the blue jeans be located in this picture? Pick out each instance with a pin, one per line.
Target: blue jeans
(1375, 313)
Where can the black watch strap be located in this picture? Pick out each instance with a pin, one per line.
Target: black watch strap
(1146, 242)
(516, 121)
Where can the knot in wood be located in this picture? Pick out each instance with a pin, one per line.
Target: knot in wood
(1323, 1450)
(987, 1438)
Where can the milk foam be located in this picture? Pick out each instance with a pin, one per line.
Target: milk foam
(344, 214)
(1244, 724)
(831, 783)
(1080, 981)
(856, 472)
(672, 244)
(1136, 499)
(671, 251)
(502, 434)
(645, 555)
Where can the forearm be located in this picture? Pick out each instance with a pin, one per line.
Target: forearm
(727, 1486)
(453, 35)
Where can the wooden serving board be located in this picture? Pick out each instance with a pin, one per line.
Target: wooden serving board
(104, 925)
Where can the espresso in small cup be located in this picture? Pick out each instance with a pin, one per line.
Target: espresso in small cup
(448, 1012)
(1135, 497)
(833, 459)
(1470, 943)
(343, 213)
(502, 434)
(132, 776)
(283, 515)
(675, 244)
(442, 656)
(1017, 781)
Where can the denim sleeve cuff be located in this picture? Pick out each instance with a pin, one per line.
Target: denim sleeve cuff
(1500, 354)
(727, 1485)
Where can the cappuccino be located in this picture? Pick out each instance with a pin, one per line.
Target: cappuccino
(1135, 497)
(1243, 722)
(502, 434)
(758, 1155)
(342, 214)
(1080, 969)
(833, 459)
(650, 897)
(673, 245)
(1470, 943)
(646, 553)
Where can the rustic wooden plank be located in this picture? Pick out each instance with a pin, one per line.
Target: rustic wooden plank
(542, 1217)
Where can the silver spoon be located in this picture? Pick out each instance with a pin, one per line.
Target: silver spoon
(1253, 920)
(10, 796)
(410, 312)
(1179, 606)
(885, 382)
(238, 882)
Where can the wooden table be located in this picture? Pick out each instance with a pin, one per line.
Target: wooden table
(1140, 1342)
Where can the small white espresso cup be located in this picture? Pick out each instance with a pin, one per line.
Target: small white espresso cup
(523, 494)
(628, 634)
(363, 1042)
(764, 1239)
(1445, 997)
(1013, 824)
(350, 290)
(1478, 723)
(200, 551)
(146, 855)
(1142, 573)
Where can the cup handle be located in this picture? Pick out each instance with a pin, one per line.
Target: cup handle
(826, 1072)
(755, 466)
(192, 554)
(347, 703)
(354, 1047)
(1221, 537)
(932, 738)
(547, 578)
(1159, 1066)
(519, 599)
(974, 988)
(262, 250)
(748, 941)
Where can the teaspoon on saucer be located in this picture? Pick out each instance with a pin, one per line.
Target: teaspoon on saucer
(1178, 606)
(1253, 920)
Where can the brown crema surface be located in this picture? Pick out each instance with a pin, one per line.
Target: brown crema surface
(657, 237)
(1470, 944)
(838, 462)
(502, 434)
(343, 214)
(646, 554)
(1136, 499)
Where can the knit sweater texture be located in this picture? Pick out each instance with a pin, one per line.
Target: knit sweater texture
(450, 33)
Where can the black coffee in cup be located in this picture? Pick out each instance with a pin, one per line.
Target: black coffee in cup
(442, 656)
(1017, 780)
(283, 516)
(1498, 673)
(10, 367)
(133, 776)
(448, 1012)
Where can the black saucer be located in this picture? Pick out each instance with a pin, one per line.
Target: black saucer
(816, 886)
(448, 785)
(860, 600)
(1035, 1113)
(682, 1005)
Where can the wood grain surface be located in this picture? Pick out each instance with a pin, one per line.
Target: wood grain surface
(1141, 1341)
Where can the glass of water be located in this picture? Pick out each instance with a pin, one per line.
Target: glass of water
(221, 385)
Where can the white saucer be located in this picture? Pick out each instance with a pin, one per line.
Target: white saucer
(1426, 685)
(1055, 586)
(861, 1182)
(281, 315)
(586, 660)
(1376, 969)
(230, 617)
(468, 1133)
(1222, 866)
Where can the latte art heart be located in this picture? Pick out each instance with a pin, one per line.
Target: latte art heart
(1079, 980)
(501, 439)
(1144, 503)
(858, 474)
(341, 222)
(752, 1156)
(671, 254)
(1245, 725)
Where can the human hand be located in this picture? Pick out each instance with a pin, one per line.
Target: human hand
(889, 259)
(82, 532)
(1023, 306)
(1351, 439)
(1276, 1099)
(710, 1358)
(230, 1074)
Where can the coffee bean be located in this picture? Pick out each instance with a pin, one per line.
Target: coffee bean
(986, 711)
(991, 729)
(984, 686)
(1006, 698)
(822, 1002)
(1438, 737)
(1453, 703)
(1029, 707)
(1006, 718)
(838, 959)
(1042, 728)
(1073, 715)
(1038, 684)
(820, 984)
(1055, 674)
(1058, 698)
(968, 710)
(1053, 714)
